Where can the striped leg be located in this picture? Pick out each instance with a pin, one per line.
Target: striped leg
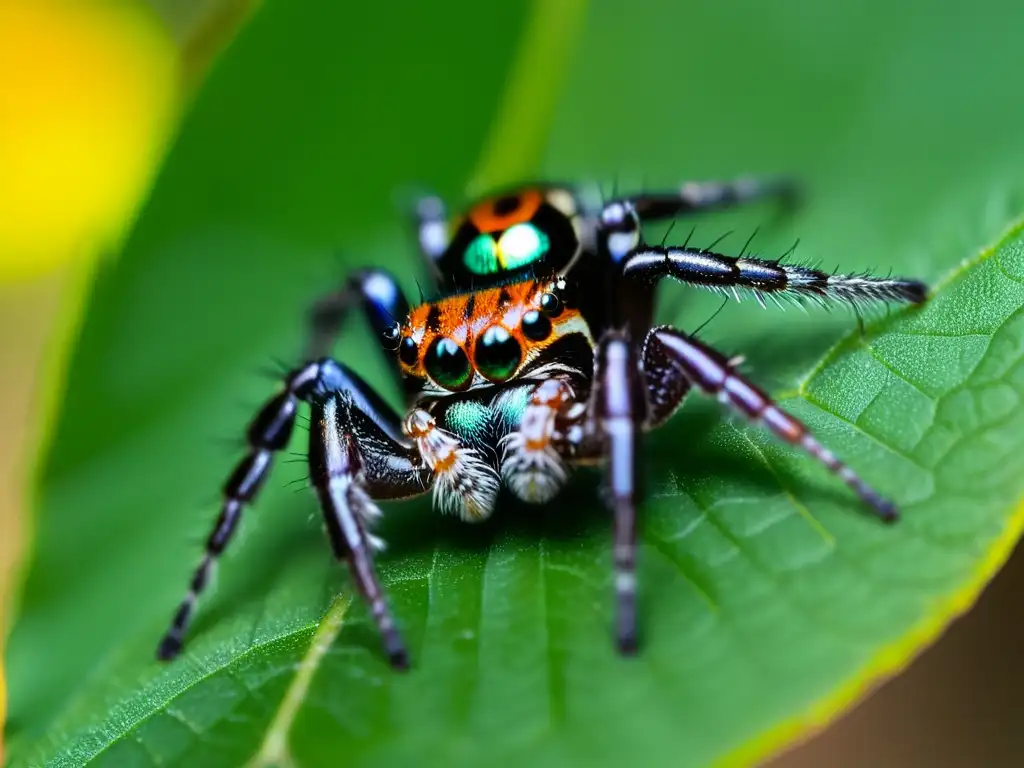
(618, 411)
(711, 372)
(339, 472)
(431, 227)
(649, 264)
(382, 302)
(622, 219)
(385, 466)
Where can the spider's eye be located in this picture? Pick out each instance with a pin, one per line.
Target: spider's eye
(536, 326)
(447, 364)
(392, 337)
(551, 305)
(497, 354)
(408, 352)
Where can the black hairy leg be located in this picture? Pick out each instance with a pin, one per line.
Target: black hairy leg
(714, 374)
(357, 452)
(695, 266)
(699, 196)
(621, 219)
(431, 221)
(381, 300)
(617, 412)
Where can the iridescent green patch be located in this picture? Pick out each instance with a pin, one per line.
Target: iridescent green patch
(511, 406)
(522, 244)
(468, 419)
(481, 256)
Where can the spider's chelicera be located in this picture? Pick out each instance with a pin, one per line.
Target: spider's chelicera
(551, 361)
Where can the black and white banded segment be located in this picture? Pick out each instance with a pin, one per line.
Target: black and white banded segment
(762, 277)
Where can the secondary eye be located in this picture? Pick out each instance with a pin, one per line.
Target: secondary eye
(536, 326)
(447, 364)
(551, 305)
(497, 354)
(392, 337)
(408, 352)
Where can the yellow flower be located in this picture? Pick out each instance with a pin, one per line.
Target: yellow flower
(88, 93)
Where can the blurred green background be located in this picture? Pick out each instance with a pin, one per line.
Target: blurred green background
(291, 162)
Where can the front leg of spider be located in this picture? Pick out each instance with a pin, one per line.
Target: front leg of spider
(617, 411)
(357, 452)
(712, 373)
(338, 471)
(375, 292)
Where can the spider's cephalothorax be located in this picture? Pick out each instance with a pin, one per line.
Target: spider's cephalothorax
(539, 356)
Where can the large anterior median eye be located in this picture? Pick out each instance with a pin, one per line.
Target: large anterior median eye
(497, 354)
(447, 364)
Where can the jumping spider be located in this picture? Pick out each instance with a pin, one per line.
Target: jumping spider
(550, 361)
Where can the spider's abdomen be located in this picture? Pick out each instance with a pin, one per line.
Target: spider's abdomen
(527, 230)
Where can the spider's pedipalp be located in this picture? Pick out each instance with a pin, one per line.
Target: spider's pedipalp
(464, 484)
(531, 466)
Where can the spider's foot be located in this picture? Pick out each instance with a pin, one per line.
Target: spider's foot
(398, 657)
(169, 648)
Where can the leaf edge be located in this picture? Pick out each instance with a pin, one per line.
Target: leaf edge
(892, 658)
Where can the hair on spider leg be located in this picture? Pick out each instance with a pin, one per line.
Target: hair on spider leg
(703, 325)
(304, 480)
(686, 243)
(746, 245)
(668, 231)
(274, 369)
(789, 252)
(717, 240)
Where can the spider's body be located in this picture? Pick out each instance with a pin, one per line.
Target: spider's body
(539, 355)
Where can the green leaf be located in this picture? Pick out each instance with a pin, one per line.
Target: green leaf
(768, 599)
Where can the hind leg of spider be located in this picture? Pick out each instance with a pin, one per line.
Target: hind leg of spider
(714, 374)
(392, 467)
(431, 221)
(699, 196)
(616, 413)
(376, 293)
(621, 219)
